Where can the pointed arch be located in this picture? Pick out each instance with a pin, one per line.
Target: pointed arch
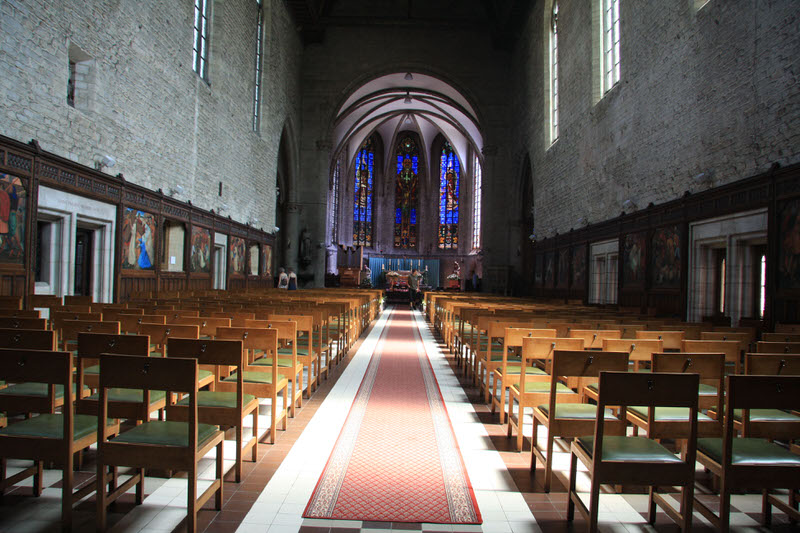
(407, 159)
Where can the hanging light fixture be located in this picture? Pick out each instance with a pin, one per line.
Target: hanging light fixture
(408, 98)
(408, 76)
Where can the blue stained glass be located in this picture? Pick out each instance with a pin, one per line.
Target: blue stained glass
(415, 164)
(398, 215)
(399, 164)
(413, 216)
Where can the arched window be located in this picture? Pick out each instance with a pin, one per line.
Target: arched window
(449, 183)
(405, 201)
(362, 205)
(554, 72)
(476, 202)
(333, 214)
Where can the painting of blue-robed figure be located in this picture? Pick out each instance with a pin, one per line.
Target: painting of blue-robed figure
(13, 198)
(138, 239)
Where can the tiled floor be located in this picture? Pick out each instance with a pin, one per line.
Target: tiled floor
(275, 490)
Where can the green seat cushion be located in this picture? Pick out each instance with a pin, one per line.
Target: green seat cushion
(203, 374)
(288, 351)
(767, 415)
(668, 414)
(130, 395)
(283, 362)
(498, 357)
(517, 370)
(630, 449)
(594, 387)
(707, 390)
(544, 386)
(52, 427)
(36, 389)
(749, 451)
(94, 369)
(252, 377)
(165, 433)
(577, 411)
(217, 399)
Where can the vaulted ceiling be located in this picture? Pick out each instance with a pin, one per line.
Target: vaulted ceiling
(502, 18)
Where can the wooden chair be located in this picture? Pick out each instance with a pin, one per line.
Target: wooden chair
(307, 353)
(772, 423)
(160, 333)
(28, 339)
(752, 463)
(639, 350)
(289, 365)
(22, 323)
(208, 325)
(224, 409)
(91, 345)
(622, 460)
(50, 436)
(168, 445)
(70, 329)
(780, 337)
(564, 415)
(130, 323)
(20, 313)
(533, 387)
(510, 367)
(262, 381)
(672, 340)
(731, 349)
(672, 422)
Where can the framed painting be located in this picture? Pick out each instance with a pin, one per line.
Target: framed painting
(238, 257)
(266, 260)
(563, 268)
(13, 199)
(789, 245)
(138, 239)
(666, 254)
(200, 258)
(579, 266)
(549, 278)
(633, 266)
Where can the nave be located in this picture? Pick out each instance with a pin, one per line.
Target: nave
(275, 491)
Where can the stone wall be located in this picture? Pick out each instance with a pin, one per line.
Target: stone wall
(709, 91)
(138, 99)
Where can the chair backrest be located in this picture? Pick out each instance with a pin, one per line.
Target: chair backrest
(22, 323)
(780, 337)
(593, 338)
(160, 333)
(638, 349)
(768, 364)
(252, 338)
(787, 328)
(744, 339)
(731, 349)
(513, 336)
(38, 366)
(28, 339)
(586, 363)
(20, 313)
(673, 340)
(71, 328)
(93, 344)
(208, 325)
(748, 392)
(57, 318)
(778, 347)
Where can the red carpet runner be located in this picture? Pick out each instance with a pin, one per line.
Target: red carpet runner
(396, 459)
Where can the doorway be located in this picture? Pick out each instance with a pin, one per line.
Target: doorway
(220, 257)
(84, 260)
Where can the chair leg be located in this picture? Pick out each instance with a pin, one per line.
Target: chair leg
(37, 479)
(502, 402)
(238, 466)
(594, 505)
(651, 505)
(724, 507)
(66, 492)
(285, 412)
(191, 516)
(273, 427)
(139, 486)
(766, 508)
(687, 508)
(221, 472)
(573, 468)
(254, 452)
(510, 414)
(548, 464)
(100, 497)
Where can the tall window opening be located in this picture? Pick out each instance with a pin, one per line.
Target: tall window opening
(760, 280)
(476, 202)
(611, 48)
(259, 53)
(333, 214)
(200, 48)
(719, 280)
(405, 201)
(554, 73)
(362, 206)
(449, 182)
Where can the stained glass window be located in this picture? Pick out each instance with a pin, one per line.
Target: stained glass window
(449, 182)
(333, 214)
(476, 203)
(362, 205)
(554, 73)
(405, 201)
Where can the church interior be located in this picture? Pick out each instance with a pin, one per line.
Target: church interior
(341, 265)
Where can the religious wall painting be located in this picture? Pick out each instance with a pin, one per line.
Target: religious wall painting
(13, 201)
(789, 245)
(666, 254)
(549, 260)
(266, 260)
(138, 239)
(405, 202)
(200, 252)
(538, 270)
(563, 268)
(238, 257)
(633, 266)
(449, 185)
(579, 266)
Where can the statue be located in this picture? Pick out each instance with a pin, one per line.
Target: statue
(305, 248)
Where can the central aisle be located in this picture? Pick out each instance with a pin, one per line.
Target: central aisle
(280, 506)
(396, 459)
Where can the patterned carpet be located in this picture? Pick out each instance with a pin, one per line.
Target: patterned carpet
(396, 459)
